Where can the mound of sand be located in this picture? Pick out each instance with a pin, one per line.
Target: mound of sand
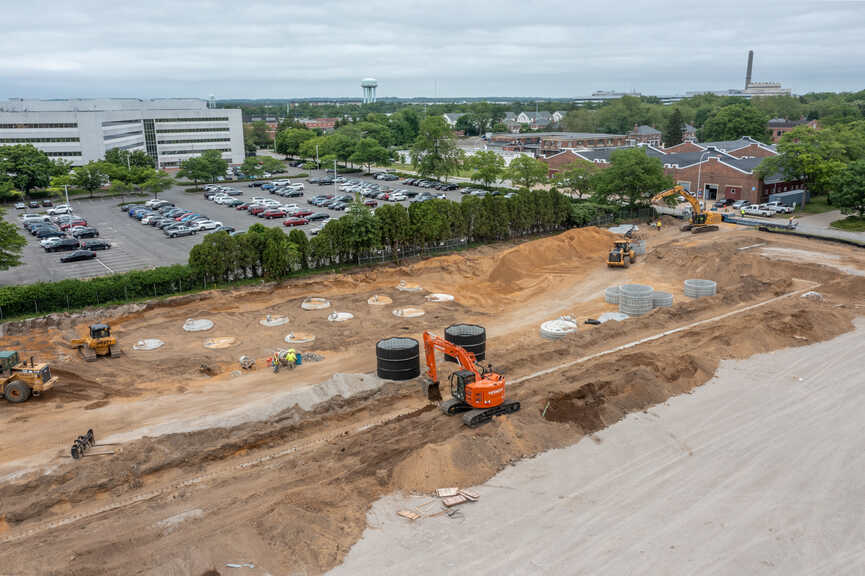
(220, 343)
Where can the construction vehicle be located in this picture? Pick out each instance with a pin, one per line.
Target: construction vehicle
(476, 391)
(98, 344)
(700, 220)
(622, 255)
(21, 380)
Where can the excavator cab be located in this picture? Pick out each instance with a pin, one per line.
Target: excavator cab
(459, 381)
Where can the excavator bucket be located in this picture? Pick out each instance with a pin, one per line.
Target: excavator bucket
(433, 393)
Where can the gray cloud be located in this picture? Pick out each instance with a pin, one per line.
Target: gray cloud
(463, 47)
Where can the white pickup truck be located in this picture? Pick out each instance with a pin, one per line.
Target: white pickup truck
(778, 208)
(758, 210)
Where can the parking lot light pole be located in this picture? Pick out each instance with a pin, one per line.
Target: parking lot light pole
(334, 177)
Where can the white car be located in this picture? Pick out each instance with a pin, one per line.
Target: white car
(284, 182)
(290, 207)
(397, 197)
(206, 225)
(778, 208)
(48, 242)
(59, 209)
(34, 218)
(223, 199)
(296, 186)
(316, 230)
(271, 203)
(757, 210)
(257, 200)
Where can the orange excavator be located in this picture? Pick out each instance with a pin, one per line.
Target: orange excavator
(477, 391)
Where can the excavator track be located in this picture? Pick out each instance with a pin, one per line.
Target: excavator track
(474, 418)
(454, 406)
(87, 353)
(700, 229)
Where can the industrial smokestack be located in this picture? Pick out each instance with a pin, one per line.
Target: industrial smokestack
(750, 65)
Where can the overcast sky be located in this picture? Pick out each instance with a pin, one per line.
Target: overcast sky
(448, 48)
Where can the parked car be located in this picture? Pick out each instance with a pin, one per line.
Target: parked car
(47, 203)
(33, 204)
(370, 203)
(180, 231)
(777, 207)
(60, 209)
(84, 232)
(340, 206)
(257, 209)
(255, 184)
(757, 210)
(292, 192)
(318, 216)
(739, 204)
(63, 245)
(295, 221)
(95, 244)
(272, 213)
(243, 206)
(48, 233)
(300, 213)
(224, 228)
(206, 225)
(72, 223)
(78, 255)
(20, 206)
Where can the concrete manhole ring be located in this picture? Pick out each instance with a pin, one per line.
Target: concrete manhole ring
(271, 321)
(148, 344)
(379, 300)
(408, 312)
(439, 297)
(299, 338)
(408, 286)
(315, 303)
(340, 316)
(617, 316)
(558, 328)
(197, 324)
(220, 343)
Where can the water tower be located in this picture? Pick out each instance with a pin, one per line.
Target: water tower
(369, 85)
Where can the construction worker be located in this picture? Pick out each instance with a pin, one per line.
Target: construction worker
(291, 357)
(658, 225)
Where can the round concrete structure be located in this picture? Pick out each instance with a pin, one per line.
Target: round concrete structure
(698, 288)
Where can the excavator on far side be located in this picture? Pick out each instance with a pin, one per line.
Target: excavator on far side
(700, 220)
(476, 391)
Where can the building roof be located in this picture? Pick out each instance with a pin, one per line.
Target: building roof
(510, 117)
(689, 128)
(558, 135)
(730, 145)
(644, 130)
(453, 116)
(604, 154)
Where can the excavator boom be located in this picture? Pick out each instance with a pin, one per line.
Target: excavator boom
(701, 221)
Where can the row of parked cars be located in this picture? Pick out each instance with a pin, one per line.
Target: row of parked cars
(270, 208)
(62, 231)
(174, 222)
(33, 204)
(767, 209)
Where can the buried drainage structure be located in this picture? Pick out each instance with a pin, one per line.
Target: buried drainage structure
(397, 358)
(697, 288)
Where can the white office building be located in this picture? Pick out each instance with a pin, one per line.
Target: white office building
(80, 131)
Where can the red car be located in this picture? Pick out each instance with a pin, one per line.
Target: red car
(302, 213)
(244, 206)
(73, 223)
(272, 213)
(256, 210)
(294, 221)
(180, 217)
(371, 203)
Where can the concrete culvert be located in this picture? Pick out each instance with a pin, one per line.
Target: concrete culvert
(397, 358)
(635, 299)
(148, 344)
(698, 288)
(315, 303)
(408, 312)
(379, 300)
(470, 336)
(408, 286)
(612, 294)
(197, 324)
(662, 299)
(271, 321)
(340, 316)
(558, 328)
(297, 338)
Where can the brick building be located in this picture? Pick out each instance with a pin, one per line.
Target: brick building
(645, 135)
(549, 143)
(780, 126)
(323, 124)
(745, 147)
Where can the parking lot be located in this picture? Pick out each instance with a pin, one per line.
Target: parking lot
(135, 246)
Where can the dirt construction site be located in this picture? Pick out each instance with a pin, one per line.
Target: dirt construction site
(201, 466)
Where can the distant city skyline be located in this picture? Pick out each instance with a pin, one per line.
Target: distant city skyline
(448, 50)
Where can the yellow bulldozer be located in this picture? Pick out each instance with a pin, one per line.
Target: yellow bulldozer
(700, 220)
(622, 255)
(21, 380)
(98, 345)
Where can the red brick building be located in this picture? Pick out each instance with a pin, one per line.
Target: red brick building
(645, 135)
(548, 143)
(323, 124)
(780, 126)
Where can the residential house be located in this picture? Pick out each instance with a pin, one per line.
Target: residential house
(535, 120)
(559, 115)
(645, 135)
(780, 126)
(452, 117)
(689, 133)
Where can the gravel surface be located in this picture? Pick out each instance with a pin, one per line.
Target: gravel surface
(760, 471)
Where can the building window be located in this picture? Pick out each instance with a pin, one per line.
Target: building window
(178, 152)
(150, 138)
(41, 125)
(190, 130)
(201, 119)
(197, 140)
(63, 153)
(35, 140)
(123, 135)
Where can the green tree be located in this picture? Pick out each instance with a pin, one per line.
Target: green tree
(487, 167)
(735, 121)
(11, 243)
(526, 172)
(158, 182)
(301, 244)
(251, 167)
(214, 164)
(288, 141)
(195, 169)
(576, 178)
(61, 167)
(25, 166)
(435, 152)
(271, 164)
(141, 159)
(673, 129)
(89, 177)
(368, 151)
(632, 176)
(117, 156)
(279, 256)
(258, 134)
(362, 227)
(393, 225)
(849, 193)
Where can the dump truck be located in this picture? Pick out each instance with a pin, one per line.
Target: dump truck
(21, 380)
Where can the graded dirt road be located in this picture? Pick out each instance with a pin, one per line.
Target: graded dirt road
(281, 469)
(759, 471)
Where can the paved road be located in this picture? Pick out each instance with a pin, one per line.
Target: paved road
(759, 471)
(137, 246)
(819, 224)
